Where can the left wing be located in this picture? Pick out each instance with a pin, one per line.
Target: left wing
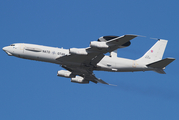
(93, 54)
(85, 60)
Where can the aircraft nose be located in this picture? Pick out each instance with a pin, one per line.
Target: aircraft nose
(7, 50)
(4, 48)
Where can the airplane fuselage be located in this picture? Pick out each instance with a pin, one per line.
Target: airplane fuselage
(50, 54)
(81, 62)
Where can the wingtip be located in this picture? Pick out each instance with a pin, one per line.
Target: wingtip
(131, 35)
(112, 85)
(171, 58)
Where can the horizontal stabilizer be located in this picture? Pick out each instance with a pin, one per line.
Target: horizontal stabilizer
(161, 63)
(161, 71)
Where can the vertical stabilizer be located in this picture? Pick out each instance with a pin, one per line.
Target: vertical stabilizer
(155, 53)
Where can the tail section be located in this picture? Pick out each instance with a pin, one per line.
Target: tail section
(155, 53)
(153, 57)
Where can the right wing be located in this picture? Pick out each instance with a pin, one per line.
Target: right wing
(85, 73)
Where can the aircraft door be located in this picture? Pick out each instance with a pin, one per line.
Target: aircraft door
(22, 48)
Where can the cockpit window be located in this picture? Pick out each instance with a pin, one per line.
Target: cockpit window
(12, 45)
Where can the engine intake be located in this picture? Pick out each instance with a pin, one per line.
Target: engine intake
(79, 79)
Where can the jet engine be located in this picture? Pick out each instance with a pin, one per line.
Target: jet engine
(79, 79)
(98, 44)
(64, 73)
(77, 51)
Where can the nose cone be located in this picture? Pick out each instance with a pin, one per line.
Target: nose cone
(4, 48)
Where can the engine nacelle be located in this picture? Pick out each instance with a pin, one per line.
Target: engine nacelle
(98, 44)
(64, 73)
(78, 51)
(79, 79)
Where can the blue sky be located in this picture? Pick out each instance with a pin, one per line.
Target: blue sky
(31, 90)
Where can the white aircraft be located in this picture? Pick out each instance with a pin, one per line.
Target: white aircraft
(80, 62)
